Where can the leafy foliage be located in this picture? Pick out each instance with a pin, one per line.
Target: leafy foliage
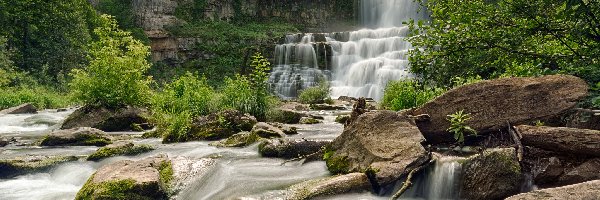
(406, 94)
(459, 127)
(115, 76)
(315, 95)
(123, 12)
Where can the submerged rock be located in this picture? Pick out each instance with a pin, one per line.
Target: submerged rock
(286, 148)
(495, 174)
(120, 119)
(265, 130)
(386, 143)
(562, 140)
(125, 149)
(493, 103)
(585, 191)
(355, 182)
(77, 137)
(21, 109)
(42, 119)
(32, 163)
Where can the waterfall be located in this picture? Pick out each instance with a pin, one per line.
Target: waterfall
(438, 182)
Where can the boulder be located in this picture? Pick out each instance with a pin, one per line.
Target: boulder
(110, 120)
(386, 143)
(326, 107)
(265, 130)
(587, 171)
(21, 109)
(493, 103)
(562, 140)
(76, 137)
(547, 171)
(285, 116)
(309, 120)
(495, 174)
(354, 182)
(238, 140)
(123, 149)
(215, 126)
(584, 191)
(28, 164)
(287, 129)
(292, 148)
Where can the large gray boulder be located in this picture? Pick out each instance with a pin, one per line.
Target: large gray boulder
(20, 109)
(84, 136)
(493, 103)
(495, 174)
(354, 182)
(110, 120)
(562, 140)
(384, 143)
(583, 191)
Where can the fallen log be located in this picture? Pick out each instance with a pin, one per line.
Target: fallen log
(562, 140)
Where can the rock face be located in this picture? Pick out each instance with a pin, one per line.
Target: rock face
(282, 148)
(383, 142)
(22, 165)
(121, 119)
(562, 140)
(494, 175)
(21, 109)
(493, 103)
(354, 182)
(77, 137)
(584, 191)
(265, 130)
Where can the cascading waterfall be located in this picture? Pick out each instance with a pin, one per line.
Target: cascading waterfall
(439, 182)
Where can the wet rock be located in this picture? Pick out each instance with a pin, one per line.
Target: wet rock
(21, 109)
(29, 164)
(238, 140)
(547, 170)
(495, 174)
(309, 120)
(77, 137)
(326, 107)
(354, 182)
(383, 142)
(493, 103)
(287, 129)
(589, 170)
(562, 140)
(342, 119)
(584, 191)
(110, 120)
(123, 149)
(215, 126)
(283, 148)
(265, 130)
(3, 142)
(285, 116)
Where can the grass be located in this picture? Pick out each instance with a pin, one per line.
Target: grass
(40, 97)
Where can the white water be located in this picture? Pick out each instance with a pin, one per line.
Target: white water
(438, 182)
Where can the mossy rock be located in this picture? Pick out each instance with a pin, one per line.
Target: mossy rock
(76, 137)
(342, 119)
(128, 149)
(291, 148)
(107, 119)
(336, 164)
(214, 127)
(284, 116)
(495, 174)
(309, 120)
(238, 140)
(22, 165)
(265, 130)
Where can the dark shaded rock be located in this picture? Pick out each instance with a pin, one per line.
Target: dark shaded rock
(358, 109)
(265, 130)
(493, 103)
(354, 182)
(584, 191)
(282, 148)
(77, 137)
(547, 170)
(285, 116)
(383, 142)
(29, 164)
(562, 140)
(587, 171)
(125, 149)
(495, 174)
(3, 142)
(309, 120)
(216, 126)
(238, 140)
(21, 109)
(326, 107)
(583, 119)
(110, 120)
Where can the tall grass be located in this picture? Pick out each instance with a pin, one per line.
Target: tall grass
(40, 97)
(406, 94)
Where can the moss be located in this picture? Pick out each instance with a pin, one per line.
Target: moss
(128, 150)
(342, 119)
(78, 140)
(121, 190)
(13, 167)
(166, 172)
(136, 127)
(238, 140)
(152, 134)
(308, 120)
(284, 116)
(335, 164)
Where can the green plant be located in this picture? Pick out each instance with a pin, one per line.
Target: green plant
(406, 94)
(40, 97)
(539, 123)
(459, 127)
(115, 76)
(315, 95)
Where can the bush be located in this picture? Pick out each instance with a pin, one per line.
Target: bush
(406, 94)
(315, 95)
(459, 127)
(115, 76)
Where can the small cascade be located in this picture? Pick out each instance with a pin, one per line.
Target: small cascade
(440, 181)
(296, 65)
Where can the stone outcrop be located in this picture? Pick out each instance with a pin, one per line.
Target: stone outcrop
(583, 119)
(21, 109)
(583, 191)
(77, 137)
(287, 129)
(386, 143)
(562, 140)
(493, 103)
(29, 164)
(354, 182)
(496, 174)
(110, 120)
(290, 148)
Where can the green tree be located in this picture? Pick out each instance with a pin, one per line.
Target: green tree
(115, 76)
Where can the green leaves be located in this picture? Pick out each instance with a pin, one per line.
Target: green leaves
(406, 94)
(459, 127)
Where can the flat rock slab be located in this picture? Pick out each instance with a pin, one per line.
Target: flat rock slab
(21, 109)
(354, 182)
(493, 103)
(383, 142)
(583, 191)
(562, 140)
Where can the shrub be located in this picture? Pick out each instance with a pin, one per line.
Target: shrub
(406, 94)
(315, 95)
(40, 97)
(115, 76)
(459, 127)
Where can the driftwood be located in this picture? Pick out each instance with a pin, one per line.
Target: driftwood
(408, 183)
(516, 136)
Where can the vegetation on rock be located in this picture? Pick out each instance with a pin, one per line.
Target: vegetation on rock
(459, 127)
(127, 150)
